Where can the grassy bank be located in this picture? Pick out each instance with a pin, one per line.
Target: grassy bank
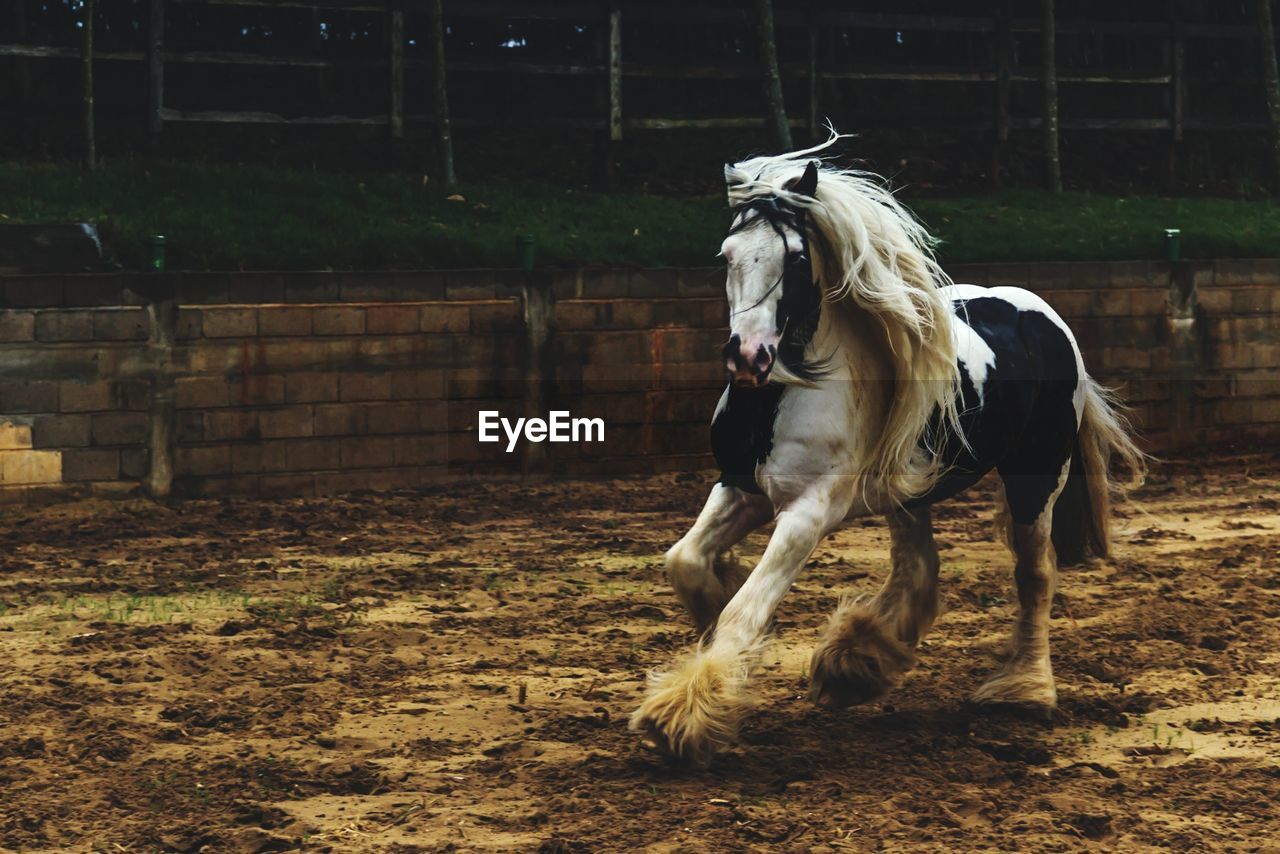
(251, 217)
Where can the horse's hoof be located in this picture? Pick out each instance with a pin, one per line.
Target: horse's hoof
(1030, 692)
(857, 661)
(689, 753)
(860, 683)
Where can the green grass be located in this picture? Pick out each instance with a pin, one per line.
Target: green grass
(226, 217)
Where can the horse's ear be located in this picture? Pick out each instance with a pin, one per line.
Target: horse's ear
(806, 184)
(729, 174)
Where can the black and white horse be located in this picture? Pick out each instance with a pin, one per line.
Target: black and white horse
(864, 383)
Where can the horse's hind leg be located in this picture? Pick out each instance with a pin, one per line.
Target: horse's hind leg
(869, 644)
(704, 578)
(1026, 679)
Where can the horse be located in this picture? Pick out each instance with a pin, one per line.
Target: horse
(864, 382)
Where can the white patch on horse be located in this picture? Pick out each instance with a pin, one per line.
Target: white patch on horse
(974, 353)
(1025, 300)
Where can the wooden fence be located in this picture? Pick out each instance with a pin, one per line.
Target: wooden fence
(810, 75)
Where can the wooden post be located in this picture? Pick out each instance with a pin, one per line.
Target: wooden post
(162, 314)
(1177, 92)
(86, 58)
(440, 91)
(155, 68)
(1271, 81)
(1184, 352)
(1004, 81)
(1049, 77)
(777, 117)
(395, 30)
(22, 66)
(614, 136)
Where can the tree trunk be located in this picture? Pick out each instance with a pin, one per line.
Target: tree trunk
(440, 92)
(90, 142)
(777, 117)
(1271, 80)
(1049, 74)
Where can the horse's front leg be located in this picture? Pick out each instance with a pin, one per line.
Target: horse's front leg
(704, 581)
(870, 643)
(692, 710)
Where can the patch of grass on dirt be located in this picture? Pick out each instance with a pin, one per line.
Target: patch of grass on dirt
(230, 217)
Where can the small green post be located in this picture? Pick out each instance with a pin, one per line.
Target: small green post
(1173, 244)
(156, 264)
(524, 251)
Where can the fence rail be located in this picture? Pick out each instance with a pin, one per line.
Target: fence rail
(612, 70)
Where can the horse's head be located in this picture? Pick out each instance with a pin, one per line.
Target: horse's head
(773, 298)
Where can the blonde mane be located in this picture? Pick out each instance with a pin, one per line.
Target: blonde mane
(873, 256)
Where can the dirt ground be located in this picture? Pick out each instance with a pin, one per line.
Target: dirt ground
(452, 669)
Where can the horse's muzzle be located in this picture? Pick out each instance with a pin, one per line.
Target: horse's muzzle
(749, 365)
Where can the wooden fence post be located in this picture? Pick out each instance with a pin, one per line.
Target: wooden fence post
(1004, 80)
(1184, 351)
(395, 33)
(777, 117)
(86, 58)
(1177, 91)
(440, 91)
(1271, 81)
(613, 133)
(22, 65)
(162, 314)
(1049, 77)
(155, 69)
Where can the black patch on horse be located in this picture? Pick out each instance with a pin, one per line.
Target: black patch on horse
(1025, 423)
(742, 433)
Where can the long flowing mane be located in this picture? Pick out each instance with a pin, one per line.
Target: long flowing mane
(873, 256)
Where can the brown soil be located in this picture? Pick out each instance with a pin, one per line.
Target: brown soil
(453, 669)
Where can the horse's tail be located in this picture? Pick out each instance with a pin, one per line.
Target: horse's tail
(1082, 514)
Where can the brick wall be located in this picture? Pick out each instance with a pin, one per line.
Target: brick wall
(288, 384)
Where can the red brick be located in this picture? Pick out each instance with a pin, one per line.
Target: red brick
(420, 450)
(443, 317)
(310, 388)
(291, 422)
(90, 464)
(203, 460)
(134, 463)
(1112, 303)
(1251, 300)
(284, 320)
(393, 418)
(500, 316)
(200, 392)
(21, 325)
(62, 325)
(61, 431)
(190, 324)
(258, 457)
(417, 385)
(230, 322)
(364, 387)
(86, 397)
(391, 319)
(339, 419)
(120, 428)
(314, 454)
(338, 320)
(120, 324)
(23, 396)
(257, 389)
(223, 424)
(368, 452)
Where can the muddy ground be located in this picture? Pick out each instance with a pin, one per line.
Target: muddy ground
(453, 669)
